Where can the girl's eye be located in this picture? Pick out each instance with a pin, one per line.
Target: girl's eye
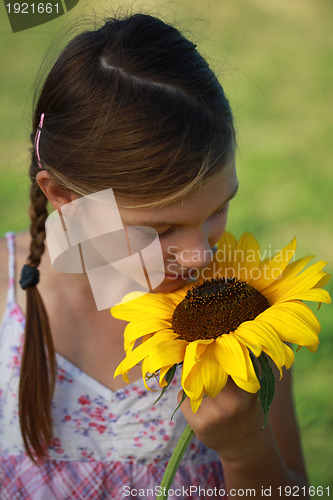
(221, 210)
(166, 233)
(218, 212)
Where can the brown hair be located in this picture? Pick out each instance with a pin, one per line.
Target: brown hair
(131, 106)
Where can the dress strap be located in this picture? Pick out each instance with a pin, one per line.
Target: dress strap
(11, 296)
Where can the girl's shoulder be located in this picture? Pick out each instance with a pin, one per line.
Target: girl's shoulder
(3, 275)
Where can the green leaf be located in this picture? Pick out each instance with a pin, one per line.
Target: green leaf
(256, 369)
(182, 401)
(267, 385)
(168, 377)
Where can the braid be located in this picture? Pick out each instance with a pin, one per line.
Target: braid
(38, 215)
(38, 367)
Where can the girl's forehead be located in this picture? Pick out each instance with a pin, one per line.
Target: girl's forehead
(208, 198)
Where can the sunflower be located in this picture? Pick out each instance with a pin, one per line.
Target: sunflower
(240, 307)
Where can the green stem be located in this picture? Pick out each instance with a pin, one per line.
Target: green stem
(174, 462)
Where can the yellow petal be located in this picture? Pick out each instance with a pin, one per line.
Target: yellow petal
(251, 345)
(271, 269)
(290, 356)
(139, 353)
(163, 372)
(251, 384)
(247, 385)
(191, 374)
(194, 351)
(292, 270)
(193, 384)
(230, 356)
(166, 354)
(159, 306)
(264, 336)
(147, 337)
(248, 334)
(144, 372)
(301, 283)
(299, 311)
(137, 329)
(323, 281)
(213, 375)
(195, 403)
(314, 295)
(312, 348)
(227, 242)
(247, 257)
(289, 327)
(223, 261)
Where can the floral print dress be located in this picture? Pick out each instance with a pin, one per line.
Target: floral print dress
(106, 444)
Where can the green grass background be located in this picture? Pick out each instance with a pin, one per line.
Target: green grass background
(274, 59)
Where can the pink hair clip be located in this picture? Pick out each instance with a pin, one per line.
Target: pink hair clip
(37, 138)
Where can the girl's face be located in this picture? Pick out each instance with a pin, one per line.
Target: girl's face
(189, 229)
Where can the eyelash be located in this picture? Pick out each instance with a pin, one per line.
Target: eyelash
(221, 210)
(166, 233)
(218, 212)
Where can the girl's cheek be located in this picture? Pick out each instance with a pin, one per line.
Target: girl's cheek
(169, 247)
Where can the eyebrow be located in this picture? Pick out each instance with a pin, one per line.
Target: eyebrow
(168, 223)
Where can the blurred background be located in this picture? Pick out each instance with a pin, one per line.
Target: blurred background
(274, 59)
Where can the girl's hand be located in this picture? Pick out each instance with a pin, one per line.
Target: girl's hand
(229, 423)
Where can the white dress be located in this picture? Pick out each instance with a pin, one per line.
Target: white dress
(106, 444)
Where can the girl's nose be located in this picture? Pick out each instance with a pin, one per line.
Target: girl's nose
(195, 251)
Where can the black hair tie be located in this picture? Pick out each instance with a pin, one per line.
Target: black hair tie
(29, 277)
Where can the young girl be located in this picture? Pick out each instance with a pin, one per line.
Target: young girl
(131, 106)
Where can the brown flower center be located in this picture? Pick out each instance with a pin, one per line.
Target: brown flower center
(216, 307)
